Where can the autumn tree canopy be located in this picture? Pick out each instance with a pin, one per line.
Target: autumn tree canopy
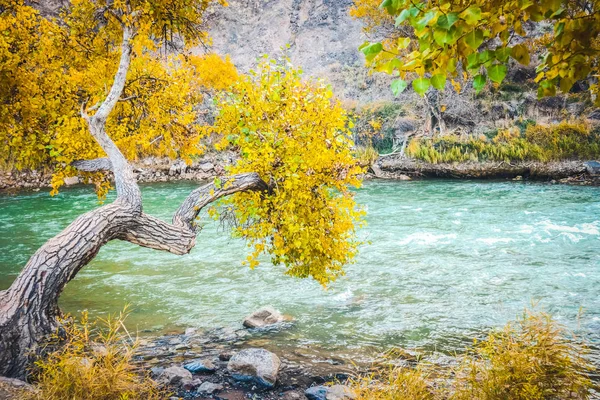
(48, 69)
(430, 42)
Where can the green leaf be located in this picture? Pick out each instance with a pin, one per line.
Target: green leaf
(421, 85)
(447, 20)
(218, 183)
(442, 36)
(497, 72)
(502, 54)
(438, 81)
(398, 86)
(479, 83)
(521, 54)
(404, 15)
(473, 61)
(423, 22)
(474, 39)
(471, 15)
(372, 50)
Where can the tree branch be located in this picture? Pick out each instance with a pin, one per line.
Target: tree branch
(98, 164)
(153, 233)
(199, 198)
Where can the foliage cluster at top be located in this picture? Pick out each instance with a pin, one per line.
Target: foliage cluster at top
(436, 40)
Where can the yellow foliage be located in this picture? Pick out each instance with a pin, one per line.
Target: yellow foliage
(533, 358)
(94, 361)
(563, 141)
(396, 383)
(49, 69)
(295, 135)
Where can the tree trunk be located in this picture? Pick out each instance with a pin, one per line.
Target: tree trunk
(29, 308)
(434, 117)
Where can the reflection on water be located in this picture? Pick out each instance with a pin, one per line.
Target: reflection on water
(444, 260)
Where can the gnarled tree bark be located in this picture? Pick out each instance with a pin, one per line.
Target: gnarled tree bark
(29, 308)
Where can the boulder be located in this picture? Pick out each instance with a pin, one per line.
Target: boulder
(593, 167)
(175, 375)
(206, 166)
(335, 392)
(71, 180)
(262, 317)
(209, 388)
(200, 366)
(257, 365)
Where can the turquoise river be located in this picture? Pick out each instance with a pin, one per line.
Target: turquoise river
(443, 261)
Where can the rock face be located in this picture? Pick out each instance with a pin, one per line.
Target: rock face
(263, 317)
(335, 392)
(323, 40)
(257, 365)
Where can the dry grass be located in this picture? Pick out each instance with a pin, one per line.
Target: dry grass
(93, 361)
(533, 358)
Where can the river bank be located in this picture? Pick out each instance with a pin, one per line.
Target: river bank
(578, 172)
(572, 171)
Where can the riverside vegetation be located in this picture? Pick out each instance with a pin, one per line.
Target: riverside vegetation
(532, 358)
(114, 81)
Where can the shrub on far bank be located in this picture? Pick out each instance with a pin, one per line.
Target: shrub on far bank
(533, 358)
(92, 361)
(525, 142)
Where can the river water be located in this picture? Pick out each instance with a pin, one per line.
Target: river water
(443, 262)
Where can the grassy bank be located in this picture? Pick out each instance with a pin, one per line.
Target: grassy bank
(525, 142)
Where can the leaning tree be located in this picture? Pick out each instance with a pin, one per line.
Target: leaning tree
(288, 192)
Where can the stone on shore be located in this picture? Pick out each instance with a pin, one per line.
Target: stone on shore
(200, 366)
(210, 388)
(262, 317)
(175, 375)
(257, 365)
(335, 392)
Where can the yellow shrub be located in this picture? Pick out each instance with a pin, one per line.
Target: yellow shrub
(532, 359)
(564, 141)
(93, 361)
(395, 384)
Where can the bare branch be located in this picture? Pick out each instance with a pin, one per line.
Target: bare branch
(199, 198)
(98, 164)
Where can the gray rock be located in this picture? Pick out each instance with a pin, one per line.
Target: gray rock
(206, 167)
(175, 375)
(262, 317)
(593, 167)
(257, 365)
(209, 388)
(191, 385)
(200, 366)
(335, 392)
(71, 180)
